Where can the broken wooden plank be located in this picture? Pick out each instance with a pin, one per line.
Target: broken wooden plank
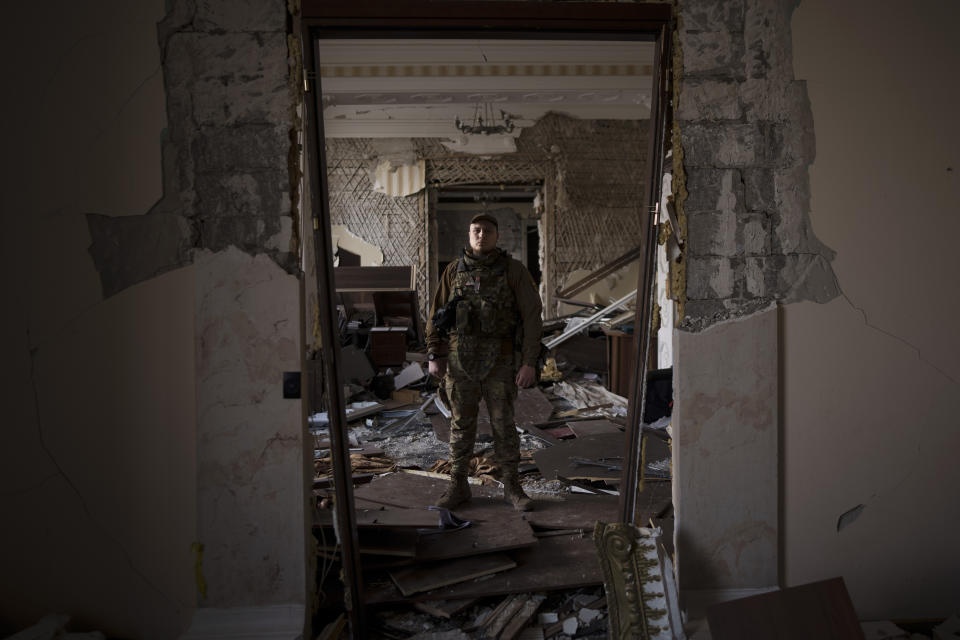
(605, 449)
(411, 490)
(383, 517)
(496, 622)
(538, 570)
(816, 610)
(522, 618)
(496, 526)
(444, 608)
(593, 427)
(574, 512)
(373, 562)
(383, 542)
(441, 574)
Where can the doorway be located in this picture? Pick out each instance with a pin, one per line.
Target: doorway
(514, 207)
(603, 22)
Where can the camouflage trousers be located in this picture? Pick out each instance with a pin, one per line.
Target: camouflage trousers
(499, 390)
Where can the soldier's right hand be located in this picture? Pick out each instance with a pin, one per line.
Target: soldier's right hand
(438, 367)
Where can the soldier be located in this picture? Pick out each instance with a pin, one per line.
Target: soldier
(489, 325)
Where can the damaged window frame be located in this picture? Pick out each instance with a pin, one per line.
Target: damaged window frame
(652, 22)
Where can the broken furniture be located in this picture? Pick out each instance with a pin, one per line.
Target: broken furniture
(391, 293)
(816, 610)
(388, 346)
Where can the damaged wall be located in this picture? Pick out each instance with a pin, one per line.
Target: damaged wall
(396, 225)
(871, 378)
(867, 384)
(746, 137)
(596, 168)
(226, 175)
(98, 457)
(137, 138)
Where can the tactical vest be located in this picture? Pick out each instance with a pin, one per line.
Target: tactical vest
(487, 314)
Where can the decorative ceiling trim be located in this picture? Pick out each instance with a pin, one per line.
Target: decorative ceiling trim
(484, 70)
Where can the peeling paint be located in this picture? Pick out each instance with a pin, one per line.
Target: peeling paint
(848, 517)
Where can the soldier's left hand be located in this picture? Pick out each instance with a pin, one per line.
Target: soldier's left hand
(526, 376)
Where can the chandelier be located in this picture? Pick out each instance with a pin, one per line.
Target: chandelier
(484, 122)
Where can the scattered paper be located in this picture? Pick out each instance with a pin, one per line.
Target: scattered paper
(409, 375)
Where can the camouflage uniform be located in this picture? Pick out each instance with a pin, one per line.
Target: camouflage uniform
(497, 329)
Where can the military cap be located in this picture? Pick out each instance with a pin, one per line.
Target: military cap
(485, 217)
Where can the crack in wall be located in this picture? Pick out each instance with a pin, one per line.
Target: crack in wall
(126, 102)
(866, 321)
(61, 473)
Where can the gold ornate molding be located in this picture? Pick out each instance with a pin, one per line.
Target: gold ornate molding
(638, 595)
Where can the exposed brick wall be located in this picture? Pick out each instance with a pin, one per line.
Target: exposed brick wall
(747, 135)
(226, 149)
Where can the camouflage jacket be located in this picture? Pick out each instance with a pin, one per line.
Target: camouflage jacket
(498, 304)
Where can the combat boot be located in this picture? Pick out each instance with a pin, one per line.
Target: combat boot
(457, 493)
(513, 493)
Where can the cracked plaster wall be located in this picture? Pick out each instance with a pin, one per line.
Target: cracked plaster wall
(744, 136)
(226, 176)
(871, 378)
(98, 452)
(786, 126)
(124, 156)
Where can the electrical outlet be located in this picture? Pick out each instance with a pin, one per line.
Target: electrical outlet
(291, 384)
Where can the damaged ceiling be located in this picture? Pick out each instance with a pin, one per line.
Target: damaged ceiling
(417, 88)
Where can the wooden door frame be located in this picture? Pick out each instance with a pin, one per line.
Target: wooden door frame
(459, 20)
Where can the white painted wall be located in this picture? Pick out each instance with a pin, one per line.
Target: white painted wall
(871, 404)
(97, 453)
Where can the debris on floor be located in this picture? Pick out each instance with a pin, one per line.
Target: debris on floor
(482, 570)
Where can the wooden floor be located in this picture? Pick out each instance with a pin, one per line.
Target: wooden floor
(501, 551)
